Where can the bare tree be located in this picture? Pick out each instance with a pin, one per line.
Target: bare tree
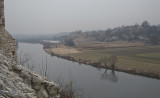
(25, 59)
(109, 61)
(69, 90)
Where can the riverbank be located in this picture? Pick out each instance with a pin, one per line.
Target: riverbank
(135, 60)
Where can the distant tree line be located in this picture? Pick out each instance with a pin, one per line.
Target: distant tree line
(144, 32)
(139, 32)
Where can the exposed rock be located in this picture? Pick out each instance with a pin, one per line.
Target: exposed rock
(17, 81)
(11, 85)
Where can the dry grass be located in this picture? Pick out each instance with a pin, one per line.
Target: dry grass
(141, 58)
(133, 55)
(64, 50)
(104, 45)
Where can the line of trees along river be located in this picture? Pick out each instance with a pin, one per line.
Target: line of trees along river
(92, 82)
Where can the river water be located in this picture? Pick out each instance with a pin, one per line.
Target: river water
(90, 81)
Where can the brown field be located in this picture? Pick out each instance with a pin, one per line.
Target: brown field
(137, 57)
(64, 50)
(104, 45)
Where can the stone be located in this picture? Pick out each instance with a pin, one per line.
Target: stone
(42, 94)
(53, 89)
(12, 85)
(17, 81)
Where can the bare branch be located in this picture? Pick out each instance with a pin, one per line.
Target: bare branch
(109, 61)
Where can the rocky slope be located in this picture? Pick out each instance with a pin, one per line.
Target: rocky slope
(17, 81)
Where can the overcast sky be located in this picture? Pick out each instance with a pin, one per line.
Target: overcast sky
(54, 16)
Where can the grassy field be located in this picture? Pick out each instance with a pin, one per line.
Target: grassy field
(145, 58)
(64, 50)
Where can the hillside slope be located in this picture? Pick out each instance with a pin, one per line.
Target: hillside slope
(17, 81)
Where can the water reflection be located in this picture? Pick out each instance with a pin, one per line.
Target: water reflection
(111, 76)
(94, 81)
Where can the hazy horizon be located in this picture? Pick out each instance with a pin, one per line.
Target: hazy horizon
(56, 16)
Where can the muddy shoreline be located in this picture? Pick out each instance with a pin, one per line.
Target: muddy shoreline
(98, 65)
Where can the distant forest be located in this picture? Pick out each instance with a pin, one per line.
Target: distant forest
(145, 32)
(35, 38)
(149, 34)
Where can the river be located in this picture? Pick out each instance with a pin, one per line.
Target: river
(90, 81)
